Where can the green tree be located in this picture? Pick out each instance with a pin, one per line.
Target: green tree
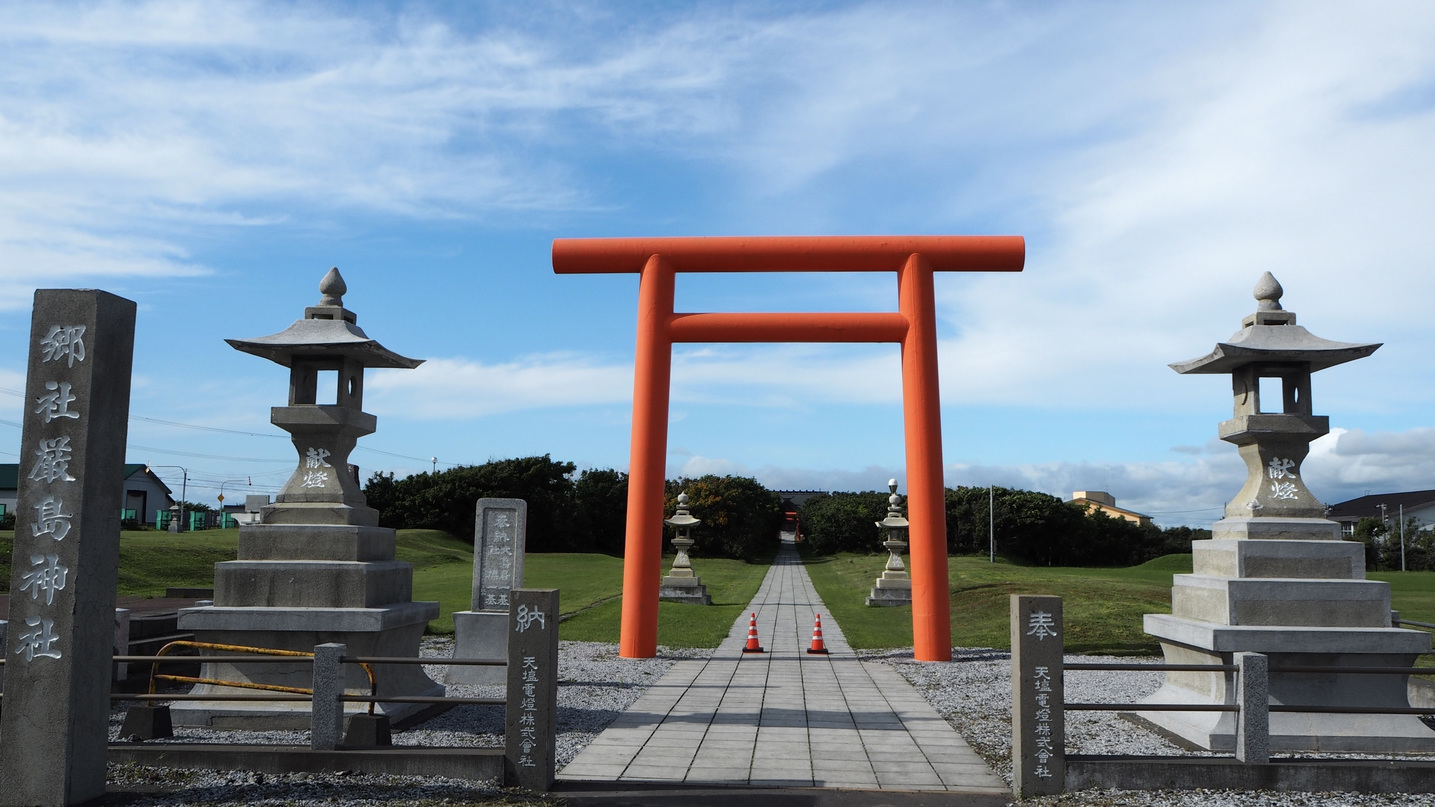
(446, 500)
(602, 500)
(843, 522)
(740, 517)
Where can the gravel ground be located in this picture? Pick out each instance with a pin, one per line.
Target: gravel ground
(963, 693)
(596, 685)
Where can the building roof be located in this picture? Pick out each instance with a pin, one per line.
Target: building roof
(1369, 506)
(10, 475)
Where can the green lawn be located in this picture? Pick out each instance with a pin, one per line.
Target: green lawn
(731, 584)
(1103, 607)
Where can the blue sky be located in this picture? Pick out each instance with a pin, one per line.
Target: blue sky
(211, 161)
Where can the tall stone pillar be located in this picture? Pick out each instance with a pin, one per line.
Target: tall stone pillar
(67, 543)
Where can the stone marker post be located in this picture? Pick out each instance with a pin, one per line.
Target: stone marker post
(1038, 747)
(499, 540)
(531, 713)
(62, 602)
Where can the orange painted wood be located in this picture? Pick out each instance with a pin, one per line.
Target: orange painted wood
(827, 253)
(872, 327)
(648, 454)
(926, 486)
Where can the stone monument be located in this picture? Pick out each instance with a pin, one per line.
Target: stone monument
(499, 540)
(317, 568)
(1275, 578)
(66, 554)
(682, 584)
(894, 587)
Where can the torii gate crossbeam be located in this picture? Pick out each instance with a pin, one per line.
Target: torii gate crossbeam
(913, 258)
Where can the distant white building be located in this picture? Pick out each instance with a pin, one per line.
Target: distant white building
(1418, 504)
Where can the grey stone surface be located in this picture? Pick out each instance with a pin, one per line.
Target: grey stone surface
(326, 722)
(1038, 749)
(530, 715)
(317, 568)
(1275, 579)
(500, 539)
(312, 584)
(1253, 696)
(829, 721)
(479, 635)
(1310, 560)
(315, 542)
(66, 550)
(1282, 602)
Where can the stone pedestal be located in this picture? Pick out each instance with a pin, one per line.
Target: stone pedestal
(682, 584)
(688, 589)
(1301, 603)
(894, 587)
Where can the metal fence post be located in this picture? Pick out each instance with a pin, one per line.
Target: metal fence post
(326, 727)
(1038, 721)
(530, 715)
(1253, 696)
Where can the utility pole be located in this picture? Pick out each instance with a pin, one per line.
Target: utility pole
(1402, 537)
(991, 525)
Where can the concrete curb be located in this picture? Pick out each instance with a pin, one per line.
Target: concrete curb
(1224, 773)
(474, 764)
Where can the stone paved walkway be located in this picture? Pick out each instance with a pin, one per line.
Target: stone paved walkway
(785, 718)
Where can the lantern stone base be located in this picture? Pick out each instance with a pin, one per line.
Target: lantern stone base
(1188, 641)
(677, 588)
(890, 592)
(479, 635)
(1301, 602)
(389, 631)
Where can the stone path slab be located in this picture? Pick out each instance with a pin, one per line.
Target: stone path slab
(784, 718)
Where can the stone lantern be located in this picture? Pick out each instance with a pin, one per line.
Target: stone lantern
(1275, 578)
(681, 584)
(894, 587)
(316, 567)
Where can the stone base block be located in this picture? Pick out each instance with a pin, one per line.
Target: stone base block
(350, 542)
(684, 589)
(391, 631)
(1275, 602)
(883, 597)
(479, 635)
(1290, 529)
(1309, 560)
(312, 583)
(368, 731)
(146, 723)
(1190, 642)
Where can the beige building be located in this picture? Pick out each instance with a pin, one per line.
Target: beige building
(1106, 503)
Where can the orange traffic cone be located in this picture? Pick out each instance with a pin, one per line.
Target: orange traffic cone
(817, 645)
(752, 645)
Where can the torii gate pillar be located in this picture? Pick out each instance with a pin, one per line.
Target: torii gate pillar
(914, 327)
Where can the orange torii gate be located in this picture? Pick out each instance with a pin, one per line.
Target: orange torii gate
(913, 258)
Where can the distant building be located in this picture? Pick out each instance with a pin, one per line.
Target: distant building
(143, 492)
(1418, 504)
(1106, 503)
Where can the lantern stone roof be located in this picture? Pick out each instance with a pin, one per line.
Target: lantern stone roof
(327, 330)
(1271, 336)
